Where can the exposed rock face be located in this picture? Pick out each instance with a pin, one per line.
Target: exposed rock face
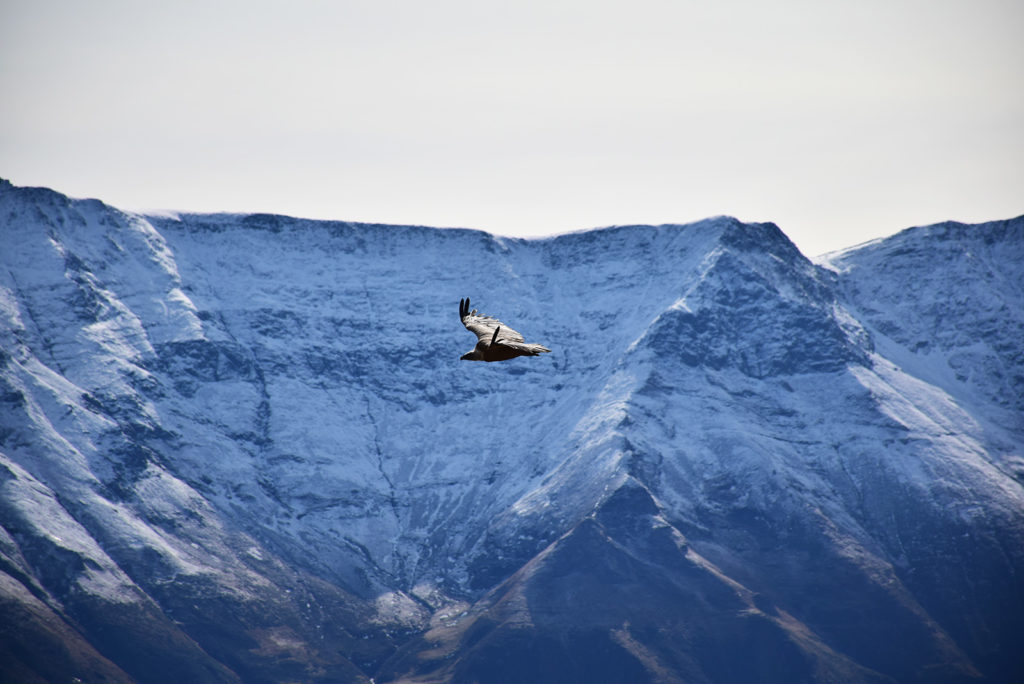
(243, 448)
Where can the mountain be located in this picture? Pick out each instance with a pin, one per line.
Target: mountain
(243, 448)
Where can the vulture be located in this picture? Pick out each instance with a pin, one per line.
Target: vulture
(495, 340)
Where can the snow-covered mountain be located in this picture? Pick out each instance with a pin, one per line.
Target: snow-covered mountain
(243, 447)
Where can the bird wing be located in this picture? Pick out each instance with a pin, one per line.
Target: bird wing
(483, 326)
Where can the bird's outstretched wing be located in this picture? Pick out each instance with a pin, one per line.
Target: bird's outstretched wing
(483, 326)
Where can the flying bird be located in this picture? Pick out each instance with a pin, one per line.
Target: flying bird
(495, 340)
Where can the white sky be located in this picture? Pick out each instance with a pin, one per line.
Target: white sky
(840, 121)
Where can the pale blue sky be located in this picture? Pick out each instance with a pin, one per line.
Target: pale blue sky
(840, 121)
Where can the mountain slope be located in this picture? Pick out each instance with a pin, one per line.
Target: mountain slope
(248, 438)
(945, 302)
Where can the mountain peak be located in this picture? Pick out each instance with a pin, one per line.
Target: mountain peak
(733, 462)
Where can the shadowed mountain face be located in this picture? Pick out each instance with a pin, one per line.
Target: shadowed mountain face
(243, 448)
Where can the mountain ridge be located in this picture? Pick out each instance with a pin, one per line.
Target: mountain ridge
(244, 409)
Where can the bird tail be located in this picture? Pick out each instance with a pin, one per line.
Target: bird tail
(536, 349)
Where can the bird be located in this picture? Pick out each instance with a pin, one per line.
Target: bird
(495, 340)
